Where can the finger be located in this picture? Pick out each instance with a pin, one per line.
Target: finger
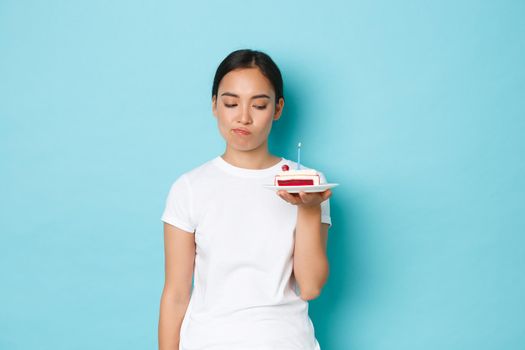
(305, 197)
(293, 198)
(283, 196)
(290, 198)
(326, 194)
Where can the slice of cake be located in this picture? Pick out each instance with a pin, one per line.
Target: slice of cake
(303, 177)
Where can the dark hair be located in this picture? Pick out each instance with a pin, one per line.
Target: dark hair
(250, 59)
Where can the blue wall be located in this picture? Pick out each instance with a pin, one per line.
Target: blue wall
(416, 108)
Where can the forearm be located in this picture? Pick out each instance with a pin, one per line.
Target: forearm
(172, 311)
(310, 262)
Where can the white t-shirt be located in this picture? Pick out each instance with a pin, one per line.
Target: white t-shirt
(244, 295)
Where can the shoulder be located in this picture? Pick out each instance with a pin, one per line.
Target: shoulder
(196, 174)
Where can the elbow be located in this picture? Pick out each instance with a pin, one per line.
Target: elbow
(310, 294)
(311, 290)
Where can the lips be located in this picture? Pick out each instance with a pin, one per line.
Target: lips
(241, 131)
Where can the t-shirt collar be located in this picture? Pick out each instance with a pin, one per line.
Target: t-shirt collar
(244, 172)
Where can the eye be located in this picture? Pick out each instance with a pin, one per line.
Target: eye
(230, 105)
(260, 107)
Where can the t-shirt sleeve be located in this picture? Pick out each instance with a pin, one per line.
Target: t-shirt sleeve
(178, 207)
(325, 206)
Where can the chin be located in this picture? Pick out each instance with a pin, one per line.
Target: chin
(244, 147)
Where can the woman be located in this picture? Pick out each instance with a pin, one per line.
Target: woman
(246, 248)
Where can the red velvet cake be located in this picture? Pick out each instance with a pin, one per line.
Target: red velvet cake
(303, 177)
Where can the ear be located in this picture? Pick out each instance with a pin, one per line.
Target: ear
(214, 105)
(278, 109)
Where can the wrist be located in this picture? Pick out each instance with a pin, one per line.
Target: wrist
(310, 209)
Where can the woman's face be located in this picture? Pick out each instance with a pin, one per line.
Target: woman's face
(245, 108)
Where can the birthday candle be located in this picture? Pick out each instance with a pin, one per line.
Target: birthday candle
(298, 156)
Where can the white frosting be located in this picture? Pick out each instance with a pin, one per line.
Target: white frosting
(302, 172)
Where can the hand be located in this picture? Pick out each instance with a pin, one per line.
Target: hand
(305, 199)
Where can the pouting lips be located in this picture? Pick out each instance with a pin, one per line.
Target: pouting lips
(241, 131)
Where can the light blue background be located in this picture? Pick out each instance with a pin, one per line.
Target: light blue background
(415, 107)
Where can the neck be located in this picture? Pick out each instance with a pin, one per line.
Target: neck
(258, 158)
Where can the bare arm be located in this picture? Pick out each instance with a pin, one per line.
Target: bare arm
(311, 268)
(179, 250)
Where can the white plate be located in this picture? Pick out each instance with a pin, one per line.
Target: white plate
(297, 189)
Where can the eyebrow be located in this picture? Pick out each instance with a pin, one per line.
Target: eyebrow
(253, 97)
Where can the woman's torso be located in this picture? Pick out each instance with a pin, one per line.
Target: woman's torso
(244, 292)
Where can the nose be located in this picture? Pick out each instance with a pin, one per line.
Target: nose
(245, 117)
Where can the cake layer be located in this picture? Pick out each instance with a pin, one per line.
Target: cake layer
(296, 182)
(300, 178)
